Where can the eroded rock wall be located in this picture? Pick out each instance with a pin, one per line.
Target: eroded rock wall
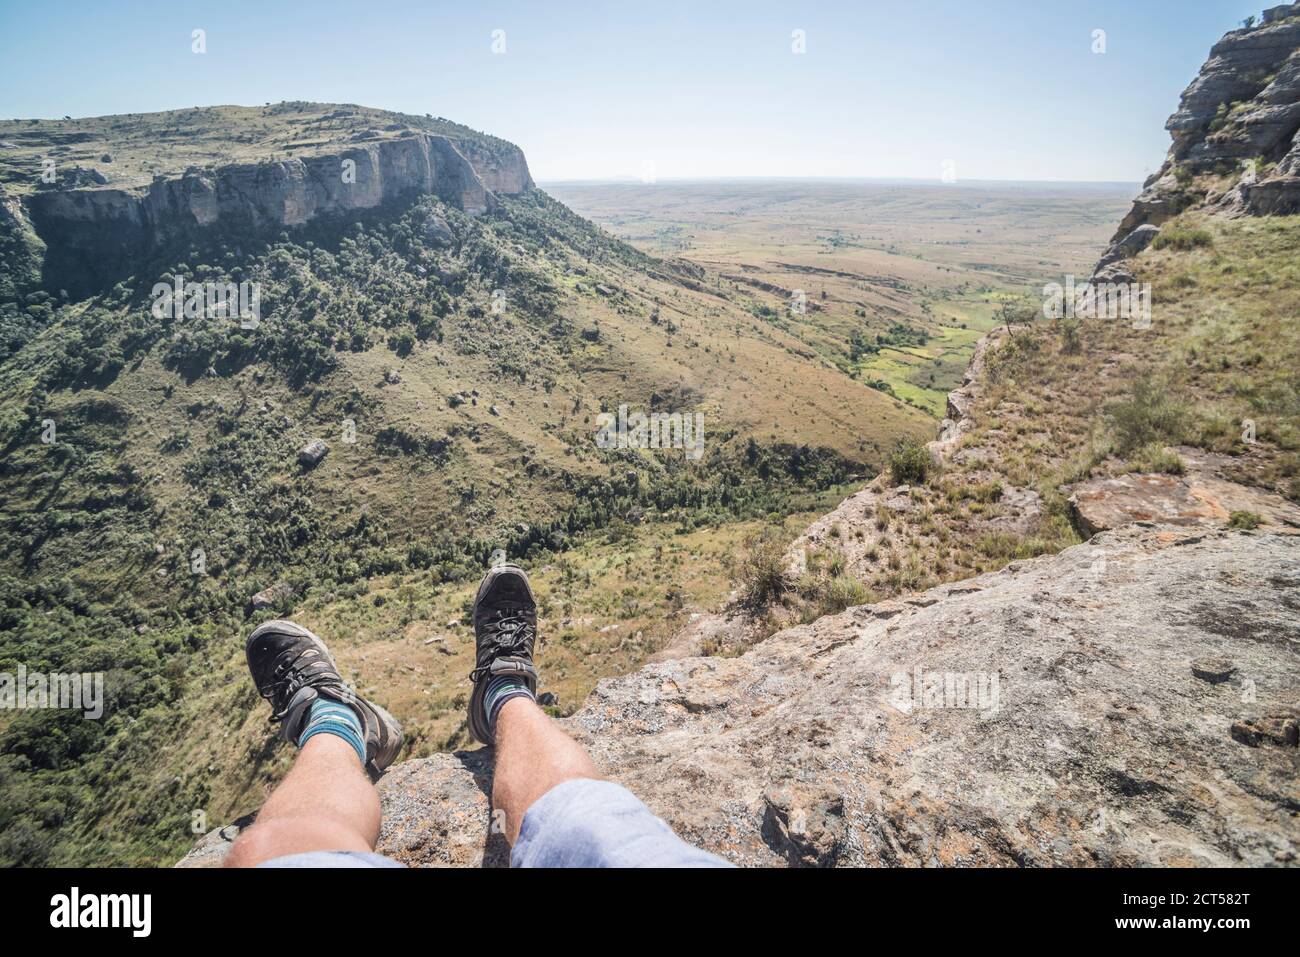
(1240, 117)
(102, 231)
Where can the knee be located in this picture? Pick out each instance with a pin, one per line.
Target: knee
(254, 844)
(281, 836)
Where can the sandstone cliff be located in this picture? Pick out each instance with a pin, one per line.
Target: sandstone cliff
(103, 225)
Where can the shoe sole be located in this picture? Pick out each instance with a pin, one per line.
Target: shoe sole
(493, 574)
(384, 757)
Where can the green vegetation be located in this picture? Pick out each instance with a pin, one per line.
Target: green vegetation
(1245, 521)
(1148, 415)
(1182, 238)
(898, 336)
(761, 572)
(175, 449)
(909, 463)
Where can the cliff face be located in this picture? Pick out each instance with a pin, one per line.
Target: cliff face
(103, 231)
(1236, 133)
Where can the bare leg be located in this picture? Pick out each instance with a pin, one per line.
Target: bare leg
(532, 756)
(326, 803)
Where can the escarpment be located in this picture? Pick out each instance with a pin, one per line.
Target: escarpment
(98, 227)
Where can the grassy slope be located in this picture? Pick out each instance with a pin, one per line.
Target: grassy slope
(938, 260)
(1068, 401)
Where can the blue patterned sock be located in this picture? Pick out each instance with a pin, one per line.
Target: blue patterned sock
(333, 717)
(500, 690)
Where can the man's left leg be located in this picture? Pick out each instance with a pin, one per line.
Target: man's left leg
(326, 811)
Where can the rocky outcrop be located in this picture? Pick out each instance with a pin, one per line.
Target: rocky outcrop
(105, 230)
(1130, 246)
(1239, 116)
(1245, 102)
(23, 249)
(961, 400)
(1199, 497)
(1048, 714)
(271, 597)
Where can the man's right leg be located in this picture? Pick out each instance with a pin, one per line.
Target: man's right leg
(558, 812)
(325, 813)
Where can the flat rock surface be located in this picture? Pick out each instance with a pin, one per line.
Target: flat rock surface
(1198, 498)
(1066, 726)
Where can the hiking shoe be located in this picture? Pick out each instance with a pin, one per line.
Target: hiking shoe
(292, 668)
(505, 627)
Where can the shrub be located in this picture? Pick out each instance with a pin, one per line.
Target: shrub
(843, 592)
(761, 575)
(1155, 458)
(402, 341)
(1245, 521)
(1071, 344)
(1149, 416)
(909, 463)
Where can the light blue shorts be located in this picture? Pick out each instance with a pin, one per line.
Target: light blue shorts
(580, 823)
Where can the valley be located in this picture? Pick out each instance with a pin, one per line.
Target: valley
(905, 256)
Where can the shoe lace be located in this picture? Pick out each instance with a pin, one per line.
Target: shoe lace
(506, 631)
(291, 674)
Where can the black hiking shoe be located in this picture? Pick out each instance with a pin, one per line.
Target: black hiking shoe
(505, 628)
(292, 668)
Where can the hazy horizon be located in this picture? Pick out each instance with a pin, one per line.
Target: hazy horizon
(898, 180)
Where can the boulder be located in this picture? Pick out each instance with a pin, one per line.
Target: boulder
(1214, 669)
(1197, 498)
(1280, 727)
(1132, 244)
(271, 597)
(436, 230)
(1116, 273)
(311, 453)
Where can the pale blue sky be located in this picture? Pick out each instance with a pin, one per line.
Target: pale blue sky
(1006, 89)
